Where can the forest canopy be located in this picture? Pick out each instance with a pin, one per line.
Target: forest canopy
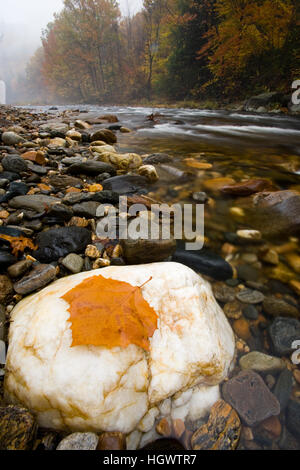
(170, 51)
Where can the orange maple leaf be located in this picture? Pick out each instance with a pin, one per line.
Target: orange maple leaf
(19, 243)
(110, 313)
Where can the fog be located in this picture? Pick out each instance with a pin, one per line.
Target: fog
(21, 24)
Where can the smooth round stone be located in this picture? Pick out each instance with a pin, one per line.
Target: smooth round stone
(250, 312)
(261, 362)
(14, 163)
(79, 441)
(11, 138)
(248, 296)
(73, 263)
(278, 307)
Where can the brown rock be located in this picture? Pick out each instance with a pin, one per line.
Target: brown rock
(64, 181)
(233, 310)
(78, 222)
(216, 184)
(222, 431)
(111, 118)
(112, 441)
(242, 329)
(6, 288)
(39, 277)
(273, 213)
(17, 428)
(163, 427)
(246, 188)
(147, 251)
(178, 427)
(35, 157)
(105, 135)
(272, 426)
(248, 394)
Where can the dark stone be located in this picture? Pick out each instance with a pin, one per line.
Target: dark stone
(248, 394)
(9, 175)
(39, 277)
(283, 332)
(247, 273)
(14, 163)
(17, 428)
(103, 197)
(57, 214)
(250, 312)
(164, 445)
(19, 268)
(283, 388)
(92, 168)
(39, 170)
(6, 259)
(86, 209)
(265, 99)
(127, 184)
(205, 262)
(11, 231)
(35, 202)
(293, 417)
(14, 189)
(223, 293)
(56, 243)
(288, 441)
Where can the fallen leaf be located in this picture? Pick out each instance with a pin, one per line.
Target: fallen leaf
(110, 313)
(19, 243)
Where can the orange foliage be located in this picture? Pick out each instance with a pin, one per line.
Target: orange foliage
(19, 244)
(110, 313)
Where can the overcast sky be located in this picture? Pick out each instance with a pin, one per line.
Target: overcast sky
(39, 12)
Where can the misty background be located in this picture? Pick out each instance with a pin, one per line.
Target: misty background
(21, 25)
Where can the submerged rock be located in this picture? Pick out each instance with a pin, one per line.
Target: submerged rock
(127, 184)
(190, 354)
(283, 332)
(250, 397)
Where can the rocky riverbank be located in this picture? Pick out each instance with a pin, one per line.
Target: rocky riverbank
(54, 175)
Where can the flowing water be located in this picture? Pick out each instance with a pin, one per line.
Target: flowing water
(239, 145)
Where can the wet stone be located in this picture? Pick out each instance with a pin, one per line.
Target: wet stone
(127, 184)
(86, 209)
(39, 277)
(92, 168)
(35, 202)
(248, 394)
(79, 441)
(224, 293)
(250, 312)
(64, 181)
(261, 362)
(205, 262)
(147, 251)
(283, 388)
(6, 259)
(73, 263)
(283, 332)
(20, 268)
(233, 310)
(56, 243)
(6, 288)
(279, 308)
(222, 431)
(17, 428)
(14, 163)
(248, 296)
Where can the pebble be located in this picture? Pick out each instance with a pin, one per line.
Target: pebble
(141, 251)
(248, 296)
(242, 329)
(11, 138)
(73, 263)
(233, 310)
(86, 209)
(250, 312)
(112, 441)
(35, 202)
(91, 168)
(17, 428)
(39, 277)
(19, 268)
(79, 441)
(248, 394)
(261, 362)
(283, 332)
(249, 234)
(205, 262)
(6, 288)
(14, 163)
